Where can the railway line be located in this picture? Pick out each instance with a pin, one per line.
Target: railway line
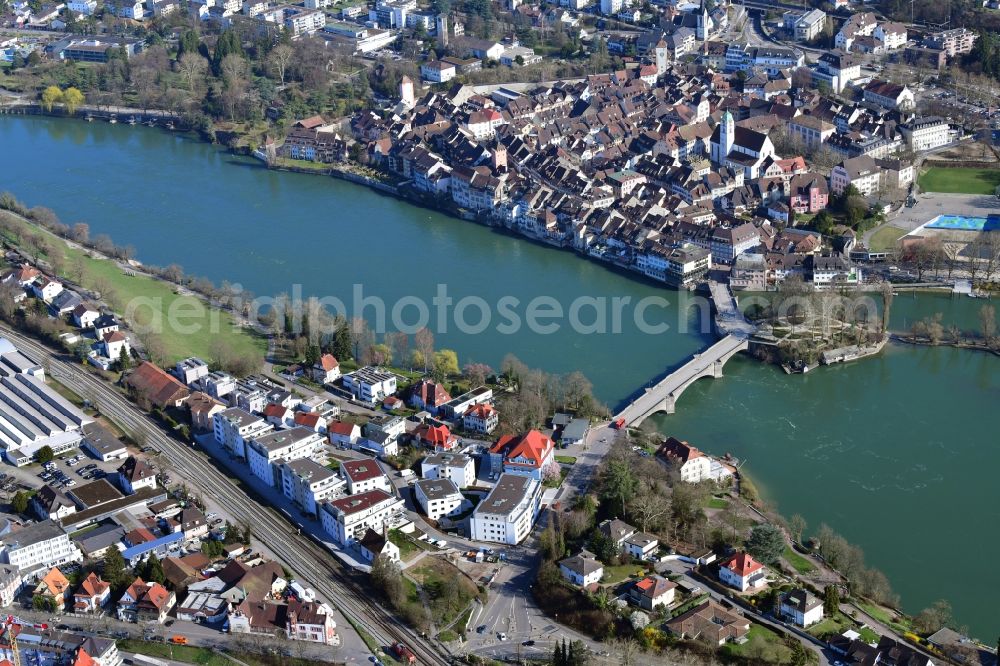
(312, 562)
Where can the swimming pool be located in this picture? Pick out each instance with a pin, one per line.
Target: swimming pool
(965, 223)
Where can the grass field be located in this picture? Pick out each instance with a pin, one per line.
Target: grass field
(565, 460)
(716, 503)
(147, 301)
(448, 591)
(887, 617)
(960, 180)
(618, 573)
(763, 646)
(798, 562)
(886, 238)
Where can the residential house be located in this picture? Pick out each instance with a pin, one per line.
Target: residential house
(266, 452)
(428, 395)
(203, 408)
(134, 474)
(370, 384)
(92, 595)
(374, 545)
(438, 71)
(11, 583)
(326, 370)
(53, 586)
(692, 465)
(51, 504)
(582, 569)
(145, 602)
(84, 316)
(742, 572)
(311, 621)
(435, 437)
(46, 288)
(343, 434)
(652, 592)
(801, 608)
(482, 418)
(888, 95)
(926, 133)
(528, 454)
(808, 193)
(105, 324)
(191, 370)
(709, 622)
(641, 546)
(193, 522)
(616, 530)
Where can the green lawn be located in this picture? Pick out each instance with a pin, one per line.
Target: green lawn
(618, 573)
(187, 325)
(407, 549)
(798, 562)
(565, 460)
(887, 617)
(763, 646)
(886, 238)
(961, 180)
(716, 503)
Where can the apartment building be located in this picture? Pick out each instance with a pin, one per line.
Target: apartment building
(458, 468)
(38, 547)
(308, 484)
(508, 512)
(439, 497)
(346, 519)
(370, 384)
(267, 452)
(234, 427)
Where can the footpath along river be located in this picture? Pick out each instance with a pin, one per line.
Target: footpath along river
(897, 453)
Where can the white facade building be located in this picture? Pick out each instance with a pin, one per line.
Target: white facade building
(234, 427)
(508, 512)
(439, 497)
(346, 519)
(266, 452)
(371, 385)
(39, 547)
(307, 483)
(459, 469)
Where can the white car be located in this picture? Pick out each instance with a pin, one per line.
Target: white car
(501, 636)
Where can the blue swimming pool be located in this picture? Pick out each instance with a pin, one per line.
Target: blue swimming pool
(965, 223)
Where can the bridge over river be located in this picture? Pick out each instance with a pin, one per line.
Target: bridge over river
(662, 397)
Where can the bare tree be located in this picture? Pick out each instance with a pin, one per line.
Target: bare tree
(279, 59)
(648, 509)
(192, 67)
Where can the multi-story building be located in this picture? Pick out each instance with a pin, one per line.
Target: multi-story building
(234, 427)
(801, 608)
(439, 497)
(528, 454)
(307, 483)
(458, 468)
(249, 396)
(805, 27)
(862, 172)
(38, 547)
(437, 71)
(482, 418)
(218, 384)
(311, 621)
(952, 42)
(303, 21)
(370, 384)
(346, 519)
(888, 95)
(11, 583)
(191, 370)
(508, 512)
(742, 572)
(892, 35)
(836, 69)
(692, 465)
(926, 133)
(363, 475)
(810, 130)
(266, 452)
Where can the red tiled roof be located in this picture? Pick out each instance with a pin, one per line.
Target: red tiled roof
(328, 362)
(531, 446)
(438, 437)
(92, 586)
(742, 564)
(306, 419)
(482, 410)
(678, 450)
(161, 388)
(275, 411)
(114, 336)
(340, 427)
(360, 502)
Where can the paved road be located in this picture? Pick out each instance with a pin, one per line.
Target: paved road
(311, 563)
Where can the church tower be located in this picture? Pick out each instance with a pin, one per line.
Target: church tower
(703, 21)
(406, 95)
(727, 135)
(662, 57)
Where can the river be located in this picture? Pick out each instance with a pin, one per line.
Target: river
(897, 453)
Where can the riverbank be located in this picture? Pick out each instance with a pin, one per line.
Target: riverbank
(969, 344)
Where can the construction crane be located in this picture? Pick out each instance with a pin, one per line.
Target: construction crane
(9, 639)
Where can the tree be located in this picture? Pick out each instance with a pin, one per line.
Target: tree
(766, 543)
(212, 549)
(192, 67)
(476, 373)
(988, 322)
(45, 455)
(114, 571)
(153, 571)
(639, 620)
(831, 600)
(43, 603)
(388, 579)
(797, 525)
(933, 618)
(424, 343)
(279, 59)
(648, 509)
(445, 364)
(50, 97)
(81, 232)
(72, 98)
(618, 483)
(124, 361)
(19, 504)
(342, 344)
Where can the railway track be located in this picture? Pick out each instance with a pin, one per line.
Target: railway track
(312, 562)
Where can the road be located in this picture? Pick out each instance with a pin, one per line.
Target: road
(314, 565)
